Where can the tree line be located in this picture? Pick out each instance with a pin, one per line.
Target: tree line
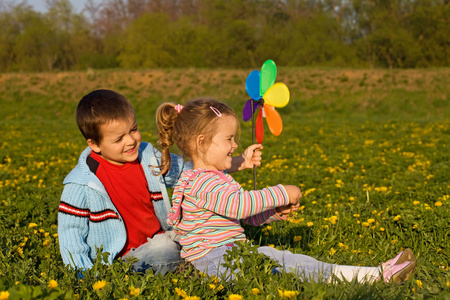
(225, 33)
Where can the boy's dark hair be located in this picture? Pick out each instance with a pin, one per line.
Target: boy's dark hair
(101, 107)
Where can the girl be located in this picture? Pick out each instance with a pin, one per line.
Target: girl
(208, 204)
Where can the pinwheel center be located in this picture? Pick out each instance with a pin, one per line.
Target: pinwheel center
(261, 101)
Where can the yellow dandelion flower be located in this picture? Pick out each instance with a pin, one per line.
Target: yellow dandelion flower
(99, 285)
(343, 246)
(415, 226)
(356, 215)
(32, 225)
(19, 250)
(52, 284)
(438, 203)
(288, 294)
(370, 221)
(419, 283)
(397, 217)
(448, 284)
(215, 279)
(351, 198)
(4, 295)
(416, 202)
(180, 293)
(174, 281)
(310, 224)
(211, 286)
(134, 291)
(297, 238)
(220, 287)
(332, 251)
(235, 297)
(192, 298)
(382, 229)
(366, 224)
(46, 242)
(255, 291)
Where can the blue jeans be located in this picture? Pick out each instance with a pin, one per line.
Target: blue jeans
(161, 253)
(302, 265)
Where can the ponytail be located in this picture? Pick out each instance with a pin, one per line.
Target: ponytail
(165, 118)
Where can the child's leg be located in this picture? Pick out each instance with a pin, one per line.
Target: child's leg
(211, 263)
(361, 274)
(302, 265)
(395, 270)
(160, 253)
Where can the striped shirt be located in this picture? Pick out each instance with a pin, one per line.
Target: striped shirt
(212, 208)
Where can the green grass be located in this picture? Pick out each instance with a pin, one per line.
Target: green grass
(370, 150)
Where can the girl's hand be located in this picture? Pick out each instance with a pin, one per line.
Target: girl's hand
(249, 158)
(286, 209)
(294, 194)
(252, 156)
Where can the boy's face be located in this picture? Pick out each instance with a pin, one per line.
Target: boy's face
(120, 142)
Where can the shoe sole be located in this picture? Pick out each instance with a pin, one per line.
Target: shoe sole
(407, 255)
(404, 274)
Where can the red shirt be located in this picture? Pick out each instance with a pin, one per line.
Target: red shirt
(128, 189)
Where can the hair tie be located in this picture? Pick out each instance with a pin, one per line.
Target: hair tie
(178, 107)
(216, 111)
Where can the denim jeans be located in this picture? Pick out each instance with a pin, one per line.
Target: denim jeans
(161, 253)
(304, 266)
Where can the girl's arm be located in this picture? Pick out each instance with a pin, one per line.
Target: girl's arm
(265, 217)
(215, 194)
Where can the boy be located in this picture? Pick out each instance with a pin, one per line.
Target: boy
(113, 197)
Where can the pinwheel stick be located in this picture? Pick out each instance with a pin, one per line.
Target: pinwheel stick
(253, 142)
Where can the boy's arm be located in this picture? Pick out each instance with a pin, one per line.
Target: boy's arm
(248, 159)
(73, 227)
(178, 166)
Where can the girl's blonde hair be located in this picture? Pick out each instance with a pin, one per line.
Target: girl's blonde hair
(183, 127)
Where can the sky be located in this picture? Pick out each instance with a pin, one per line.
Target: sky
(40, 5)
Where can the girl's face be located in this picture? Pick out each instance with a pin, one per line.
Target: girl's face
(218, 155)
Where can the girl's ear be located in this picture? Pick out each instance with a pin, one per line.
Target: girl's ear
(200, 143)
(93, 145)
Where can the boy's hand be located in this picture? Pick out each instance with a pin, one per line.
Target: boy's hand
(249, 158)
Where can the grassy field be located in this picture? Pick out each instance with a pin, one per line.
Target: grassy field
(370, 150)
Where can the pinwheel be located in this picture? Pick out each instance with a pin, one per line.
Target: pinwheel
(265, 94)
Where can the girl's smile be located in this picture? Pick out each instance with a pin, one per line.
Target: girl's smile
(218, 155)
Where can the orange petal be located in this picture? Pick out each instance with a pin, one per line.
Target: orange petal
(273, 120)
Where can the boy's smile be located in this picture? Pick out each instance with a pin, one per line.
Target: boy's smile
(120, 142)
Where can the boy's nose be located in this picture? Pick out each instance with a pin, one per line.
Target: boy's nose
(130, 139)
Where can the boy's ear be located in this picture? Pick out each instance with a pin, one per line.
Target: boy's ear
(93, 145)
